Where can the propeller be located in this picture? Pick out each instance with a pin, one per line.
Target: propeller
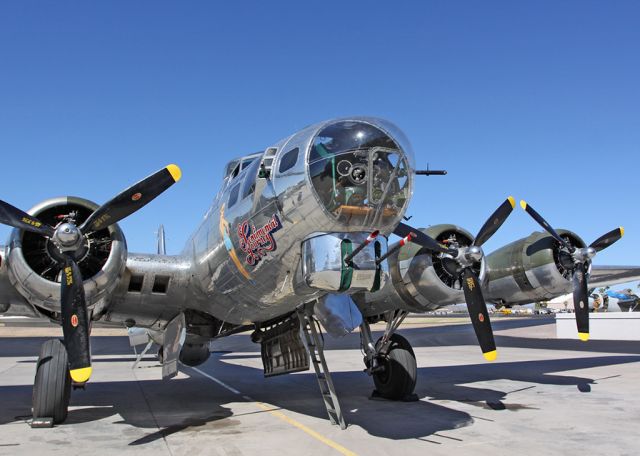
(464, 258)
(580, 257)
(69, 239)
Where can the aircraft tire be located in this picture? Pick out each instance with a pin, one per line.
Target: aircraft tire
(52, 385)
(398, 378)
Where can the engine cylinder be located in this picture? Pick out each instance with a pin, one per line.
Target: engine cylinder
(34, 261)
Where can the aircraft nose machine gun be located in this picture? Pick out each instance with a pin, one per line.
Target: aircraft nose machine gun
(69, 239)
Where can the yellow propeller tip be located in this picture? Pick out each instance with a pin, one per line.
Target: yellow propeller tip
(81, 375)
(175, 172)
(491, 356)
(512, 201)
(523, 204)
(583, 336)
(621, 231)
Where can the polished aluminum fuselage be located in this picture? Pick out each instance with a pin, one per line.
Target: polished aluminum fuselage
(226, 284)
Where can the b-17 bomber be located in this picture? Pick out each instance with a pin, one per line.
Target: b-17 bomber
(299, 240)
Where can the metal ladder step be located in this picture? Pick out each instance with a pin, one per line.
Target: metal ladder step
(316, 355)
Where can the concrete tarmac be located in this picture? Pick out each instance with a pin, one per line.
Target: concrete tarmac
(542, 396)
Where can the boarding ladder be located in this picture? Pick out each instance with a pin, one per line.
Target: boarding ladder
(315, 346)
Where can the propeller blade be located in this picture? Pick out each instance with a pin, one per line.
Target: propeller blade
(606, 240)
(494, 222)
(12, 216)
(478, 313)
(75, 322)
(544, 224)
(581, 301)
(420, 238)
(132, 199)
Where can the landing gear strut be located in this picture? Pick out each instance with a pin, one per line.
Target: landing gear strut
(52, 385)
(390, 361)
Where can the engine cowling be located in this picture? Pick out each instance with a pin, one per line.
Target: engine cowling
(420, 280)
(530, 269)
(35, 273)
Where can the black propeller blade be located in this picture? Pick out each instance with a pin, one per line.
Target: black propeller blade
(544, 224)
(494, 222)
(478, 313)
(131, 199)
(66, 236)
(12, 216)
(465, 257)
(606, 240)
(75, 322)
(581, 301)
(579, 276)
(403, 230)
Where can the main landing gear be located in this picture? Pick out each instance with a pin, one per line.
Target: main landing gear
(52, 385)
(390, 361)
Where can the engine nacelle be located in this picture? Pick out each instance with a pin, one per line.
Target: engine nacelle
(35, 273)
(194, 354)
(420, 280)
(530, 269)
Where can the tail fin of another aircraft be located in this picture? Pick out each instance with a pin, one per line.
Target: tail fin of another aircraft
(162, 248)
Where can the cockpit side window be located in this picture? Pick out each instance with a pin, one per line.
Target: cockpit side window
(247, 161)
(288, 160)
(233, 195)
(251, 175)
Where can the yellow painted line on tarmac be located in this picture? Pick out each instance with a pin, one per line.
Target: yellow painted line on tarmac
(327, 441)
(272, 410)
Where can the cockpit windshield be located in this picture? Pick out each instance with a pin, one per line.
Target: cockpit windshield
(360, 174)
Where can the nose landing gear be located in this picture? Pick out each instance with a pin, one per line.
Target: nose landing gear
(391, 361)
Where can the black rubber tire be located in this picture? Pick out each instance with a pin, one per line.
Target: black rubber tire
(398, 378)
(52, 385)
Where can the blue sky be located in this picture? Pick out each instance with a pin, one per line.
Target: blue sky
(540, 100)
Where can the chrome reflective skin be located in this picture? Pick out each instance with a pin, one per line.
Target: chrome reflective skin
(247, 253)
(324, 268)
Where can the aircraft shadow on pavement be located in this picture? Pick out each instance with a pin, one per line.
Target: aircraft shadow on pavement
(193, 404)
(405, 420)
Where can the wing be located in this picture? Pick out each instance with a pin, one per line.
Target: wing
(611, 275)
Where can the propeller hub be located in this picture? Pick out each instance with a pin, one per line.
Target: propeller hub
(469, 255)
(584, 254)
(67, 237)
(474, 253)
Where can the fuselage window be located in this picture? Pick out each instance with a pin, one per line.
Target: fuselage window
(288, 160)
(233, 195)
(247, 162)
(249, 187)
